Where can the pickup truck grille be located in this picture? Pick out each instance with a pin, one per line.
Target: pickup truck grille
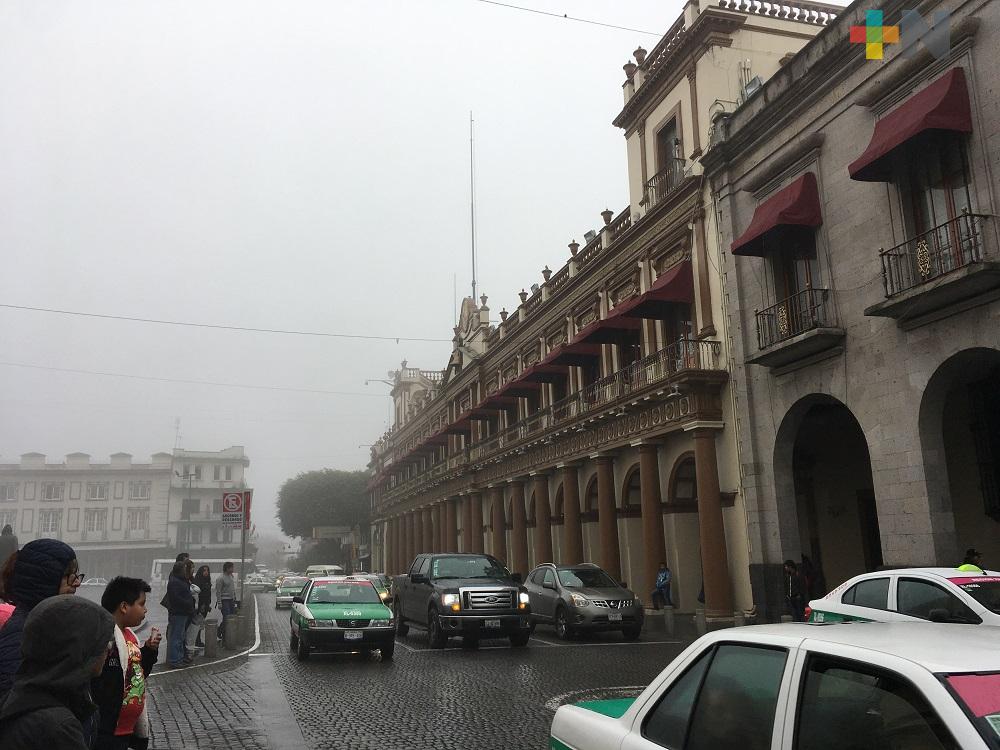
(353, 623)
(612, 603)
(489, 599)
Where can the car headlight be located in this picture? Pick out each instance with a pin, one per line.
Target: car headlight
(579, 600)
(451, 601)
(390, 623)
(309, 623)
(523, 600)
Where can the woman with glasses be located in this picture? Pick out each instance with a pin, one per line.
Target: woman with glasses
(43, 568)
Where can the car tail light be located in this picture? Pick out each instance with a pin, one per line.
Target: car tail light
(808, 613)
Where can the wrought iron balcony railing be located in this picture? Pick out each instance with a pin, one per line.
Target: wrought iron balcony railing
(801, 312)
(662, 183)
(928, 256)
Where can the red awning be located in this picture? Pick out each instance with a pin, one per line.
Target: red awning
(517, 388)
(460, 426)
(794, 206)
(573, 354)
(608, 330)
(942, 106)
(674, 285)
(539, 373)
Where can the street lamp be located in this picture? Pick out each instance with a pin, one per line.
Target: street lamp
(189, 477)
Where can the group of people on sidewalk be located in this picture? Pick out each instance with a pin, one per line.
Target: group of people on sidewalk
(188, 601)
(73, 672)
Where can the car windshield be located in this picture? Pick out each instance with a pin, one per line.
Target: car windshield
(984, 589)
(467, 567)
(584, 578)
(344, 592)
(294, 583)
(980, 694)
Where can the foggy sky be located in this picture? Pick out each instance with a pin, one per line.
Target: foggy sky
(296, 165)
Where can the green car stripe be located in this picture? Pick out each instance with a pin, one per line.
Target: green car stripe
(819, 615)
(613, 707)
(555, 744)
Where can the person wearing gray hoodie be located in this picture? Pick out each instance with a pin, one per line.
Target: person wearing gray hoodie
(64, 644)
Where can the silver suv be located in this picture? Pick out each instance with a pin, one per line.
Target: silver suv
(581, 597)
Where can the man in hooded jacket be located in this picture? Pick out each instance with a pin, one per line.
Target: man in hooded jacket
(65, 643)
(43, 568)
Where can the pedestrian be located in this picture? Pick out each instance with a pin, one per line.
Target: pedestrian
(225, 595)
(120, 690)
(180, 607)
(197, 619)
(973, 562)
(8, 544)
(181, 557)
(203, 580)
(41, 569)
(795, 591)
(65, 642)
(662, 586)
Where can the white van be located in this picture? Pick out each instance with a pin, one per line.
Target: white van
(318, 571)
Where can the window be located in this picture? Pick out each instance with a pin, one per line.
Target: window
(668, 146)
(229, 473)
(935, 186)
(920, 598)
(632, 497)
(878, 708)
(95, 520)
(872, 593)
(685, 487)
(191, 535)
(138, 519)
(549, 577)
(8, 517)
(217, 472)
(139, 490)
(187, 471)
(97, 490)
(53, 491)
(8, 492)
(217, 505)
(190, 506)
(49, 521)
(726, 700)
(197, 472)
(792, 253)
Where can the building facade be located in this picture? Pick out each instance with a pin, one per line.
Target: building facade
(596, 422)
(862, 265)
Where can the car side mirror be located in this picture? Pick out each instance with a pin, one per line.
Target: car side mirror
(517, 578)
(624, 584)
(298, 600)
(548, 585)
(419, 578)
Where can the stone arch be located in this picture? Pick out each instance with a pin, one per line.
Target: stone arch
(557, 508)
(630, 498)
(590, 496)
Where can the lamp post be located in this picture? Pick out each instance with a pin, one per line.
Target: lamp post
(189, 477)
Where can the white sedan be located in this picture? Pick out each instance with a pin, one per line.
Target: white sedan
(935, 594)
(847, 686)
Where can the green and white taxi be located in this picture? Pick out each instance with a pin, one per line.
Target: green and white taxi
(288, 588)
(935, 594)
(340, 614)
(807, 686)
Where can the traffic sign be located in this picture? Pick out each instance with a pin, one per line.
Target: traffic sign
(236, 510)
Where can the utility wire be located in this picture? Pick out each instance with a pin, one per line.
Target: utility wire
(102, 316)
(568, 17)
(129, 376)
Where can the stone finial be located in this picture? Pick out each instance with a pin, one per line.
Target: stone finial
(630, 68)
(523, 295)
(546, 272)
(403, 364)
(574, 247)
(483, 299)
(639, 55)
(607, 214)
(503, 315)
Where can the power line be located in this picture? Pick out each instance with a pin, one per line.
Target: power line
(130, 376)
(566, 17)
(131, 319)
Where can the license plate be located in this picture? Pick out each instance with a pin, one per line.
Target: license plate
(353, 635)
(492, 624)
(615, 617)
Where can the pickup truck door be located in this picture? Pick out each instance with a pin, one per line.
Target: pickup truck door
(415, 598)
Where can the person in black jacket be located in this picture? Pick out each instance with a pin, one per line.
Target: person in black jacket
(203, 580)
(43, 568)
(65, 641)
(180, 607)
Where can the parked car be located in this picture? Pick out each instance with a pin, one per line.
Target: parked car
(95, 582)
(258, 582)
(339, 614)
(575, 598)
(468, 595)
(863, 686)
(314, 571)
(288, 589)
(935, 594)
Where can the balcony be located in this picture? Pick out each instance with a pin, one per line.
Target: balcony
(661, 184)
(795, 330)
(941, 271)
(201, 517)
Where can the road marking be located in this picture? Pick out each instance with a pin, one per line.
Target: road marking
(619, 691)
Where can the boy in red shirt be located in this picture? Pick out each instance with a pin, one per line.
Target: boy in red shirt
(120, 691)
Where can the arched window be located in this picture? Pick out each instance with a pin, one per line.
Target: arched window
(530, 515)
(557, 515)
(590, 499)
(683, 482)
(632, 490)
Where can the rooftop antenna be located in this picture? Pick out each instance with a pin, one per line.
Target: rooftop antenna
(177, 433)
(472, 179)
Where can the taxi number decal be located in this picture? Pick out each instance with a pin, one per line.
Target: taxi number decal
(352, 613)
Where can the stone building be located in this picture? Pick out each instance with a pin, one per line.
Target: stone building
(862, 270)
(595, 422)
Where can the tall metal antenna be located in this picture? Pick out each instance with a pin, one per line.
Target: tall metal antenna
(472, 178)
(454, 294)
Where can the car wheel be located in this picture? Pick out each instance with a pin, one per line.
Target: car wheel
(631, 634)
(302, 652)
(401, 627)
(293, 642)
(563, 630)
(387, 650)
(435, 636)
(520, 640)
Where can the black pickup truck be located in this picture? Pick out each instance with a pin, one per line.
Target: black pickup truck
(468, 595)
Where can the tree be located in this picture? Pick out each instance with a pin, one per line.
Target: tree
(323, 498)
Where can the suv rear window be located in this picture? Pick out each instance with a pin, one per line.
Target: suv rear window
(873, 593)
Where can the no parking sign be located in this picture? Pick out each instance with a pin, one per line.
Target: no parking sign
(236, 509)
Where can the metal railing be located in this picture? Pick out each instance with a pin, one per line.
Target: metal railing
(663, 183)
(799, 313)
(941, 250)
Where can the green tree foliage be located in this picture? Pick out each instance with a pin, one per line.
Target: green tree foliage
(323, 498)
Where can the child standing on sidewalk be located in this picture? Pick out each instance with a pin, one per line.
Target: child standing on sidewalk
(120, 691)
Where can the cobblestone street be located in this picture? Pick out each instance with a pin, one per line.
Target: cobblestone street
(493, 697)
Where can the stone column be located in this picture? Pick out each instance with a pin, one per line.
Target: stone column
(543, 519)
(498, 521)
(607, 517)
(396, 554)
(572, 526)
(409, 546)
(439, 521)
(418, 532)
(653, 547)
(467, 523)
(519, 530)
(476, 508)
(711, 527)
(450, 526)
(390, 547)
(428, 543)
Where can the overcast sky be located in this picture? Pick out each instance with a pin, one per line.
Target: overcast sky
(297, 165)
